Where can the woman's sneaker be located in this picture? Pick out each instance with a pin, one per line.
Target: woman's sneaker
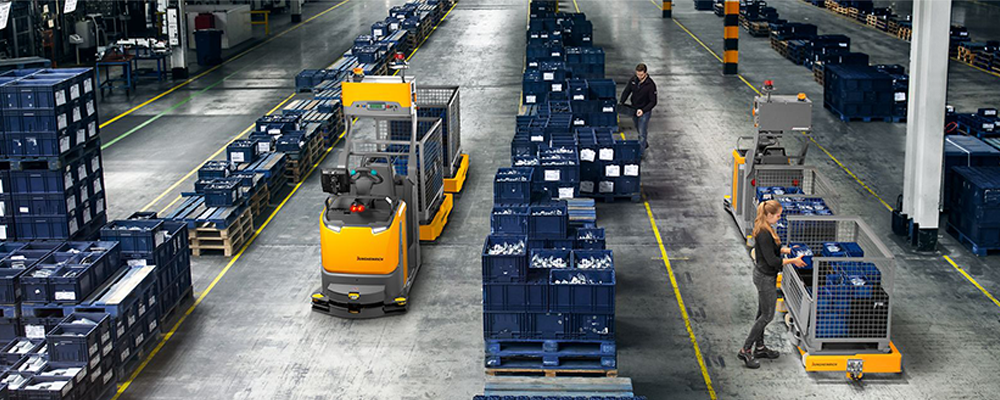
(749, 360)
(764, 352)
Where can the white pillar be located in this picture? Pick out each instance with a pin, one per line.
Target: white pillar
(178, 59)
(925, 115)
(296, 10)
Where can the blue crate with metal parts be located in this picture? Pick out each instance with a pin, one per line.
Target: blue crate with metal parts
(505, 258)
(221, 193)
(277, 124)
(16, 349)
(964, 151)
(512, 185)
(47, 89)
(547, 325)
(123, 297)
(548, 221)
(41, 134)
(509, 220)
(842, 249)
(38, 319)
(551, 354)
(550, 258)
(36, 282)
(242, 151)
(589, 239)
(216, 169)
(529, 294)
(975, 215)
(579, 290)
(79, 338)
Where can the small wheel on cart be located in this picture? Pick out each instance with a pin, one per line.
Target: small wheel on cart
(855, 376)
(788, 320)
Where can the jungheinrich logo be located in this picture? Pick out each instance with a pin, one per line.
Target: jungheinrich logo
(370, 259)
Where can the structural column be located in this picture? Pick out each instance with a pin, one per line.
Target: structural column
(296, 10)
(925, 119)
(731, 35)
(668, 7)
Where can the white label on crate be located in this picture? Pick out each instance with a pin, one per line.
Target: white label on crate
(94, 348)
(263, 128)
(68, 177)
(538, 138)
(533, 64)
(61, 121)
(81, 172)
(1, 187)
(139, 339)
(69, 296)
(96, 374)
(556, 87)
(607, 154)
(106, 337)
(632, 170)
(125, 353)
(3, 232)
(121, 330)
(64, 144)
(142, 309)
(275, 132)
(107, 349)
(579, 122)
(4, 14)
(989, 113)
(81, 135)
(131, 319)
(90, 108)
(34, 331)
(578, 97)
(263, 147)
(74, 92)
(3, 209)
(71, 203)
(152, 325)
(72, 226)
(606, 186)
(608, 109)
(23, 210)
(76, 114)
(376, 32)
(108, 375)
(566, 193)
(552, 175)
(94, 362)
(612, 171)
(92, 129)
(548, 76)
(587, 187)
(88, 86)
(530, 99)
(989, 127)
(60, 98)
(86, 215)
(137, 263)
(842, 44)
(587, 155)
(900, 96)
(237, 157)
(97, 187)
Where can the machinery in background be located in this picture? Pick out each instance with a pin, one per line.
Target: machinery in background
(385, 194)
(775, 117)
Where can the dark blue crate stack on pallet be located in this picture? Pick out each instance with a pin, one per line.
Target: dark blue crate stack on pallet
(974, 218)
(856, 92)
(900, 88)
(704, 5)
(50, 156)
(84, 341)
(957, 35)
(17, 259)
(982, 124)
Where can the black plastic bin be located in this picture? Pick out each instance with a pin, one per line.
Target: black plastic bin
(209, 46)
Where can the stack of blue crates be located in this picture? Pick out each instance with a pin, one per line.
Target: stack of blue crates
(858, 92)
(975, 208)
(81, 341)
(51, 184)
(964, 151)
(900, 88)
(982, 124)
(850, 300)
(704, 5)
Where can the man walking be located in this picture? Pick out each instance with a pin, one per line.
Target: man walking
(643, 93)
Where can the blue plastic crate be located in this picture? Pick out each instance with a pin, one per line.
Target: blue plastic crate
(290, 143)
(550, 258)
(590, 239)
(10, 357)
(134, 235)
(122, 298)
(47, 204)
(72, 283)
(242, 151)
(38, 319)
(526, 325)
(216, 169)
(593, 259)
(509, 220)
(505, 267)
(222, 193)
(548, 222)
(530, 295)
(512, 185)
(73, 340)
(64, 392)
(595, 295)
(842, 249)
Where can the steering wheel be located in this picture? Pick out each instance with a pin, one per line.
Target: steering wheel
(364, 179)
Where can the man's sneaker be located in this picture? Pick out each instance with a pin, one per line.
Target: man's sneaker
(764, 352)
(748, 359)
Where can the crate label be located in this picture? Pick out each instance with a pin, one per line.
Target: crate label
(94, 362)
(587, 155)
(71, 296)
(92, 129)
(74, 92)
(152, 325)
(94, 348)
(538, 138)
(579, 122)
(96, 374)
(125, 353)
(607, 154)
(72, 226)
(108, 375)
(96, 187)
(64, 144)
(88, 86)
(76, 114)
(139, 339)
(988, 126)
(548, 76)
(842, 44)
(556, 87)
(376, 32)
(107, 349)
(142, 309)
(900, 96)
(608, 109)
(71, 203)
(587, 187)
(989, 113)
(86, 215)
(90, 108)
(23, 210)
(61, 124)
(530, 99)
(106, 337)
(533, 64)
(632, 170)
(578, 97)
(552, 175)
(3, 232)
(3, 209)
(152, 300)
(237, 157)
(60, 98)
(121, 330)
(34, 331)
(613, 171)
(264, 147)
(556, 54)
(566, 193)
(606, 186)
(131, 320)
(81, 135)
(81, 172)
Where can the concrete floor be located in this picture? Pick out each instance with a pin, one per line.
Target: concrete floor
(254, 336)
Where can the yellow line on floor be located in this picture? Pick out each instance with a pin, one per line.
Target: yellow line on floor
(696, 38)
(973, 66)
(577, 6)
(680, 304)
(218, 277)
(227, 61)
(211, 157)
(973, 280)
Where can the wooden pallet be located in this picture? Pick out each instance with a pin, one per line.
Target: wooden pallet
(966, 55)
(904, 33)
(208, 238)
(551, 373)
(259, 201)
(296, 169)
(819, 73)
(852, 13)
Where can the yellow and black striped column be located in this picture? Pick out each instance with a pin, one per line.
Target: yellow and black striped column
(668, 6)
(731, 35)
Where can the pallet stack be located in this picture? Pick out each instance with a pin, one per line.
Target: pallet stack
(858, 92)
(51, 176)
(982, 124)
(974, 208)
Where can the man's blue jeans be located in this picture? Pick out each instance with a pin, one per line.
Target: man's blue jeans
(642, 125)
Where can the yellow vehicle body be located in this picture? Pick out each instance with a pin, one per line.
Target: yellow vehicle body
(874, 363)
(370, 253)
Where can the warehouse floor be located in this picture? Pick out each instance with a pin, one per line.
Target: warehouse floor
(253, 335)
